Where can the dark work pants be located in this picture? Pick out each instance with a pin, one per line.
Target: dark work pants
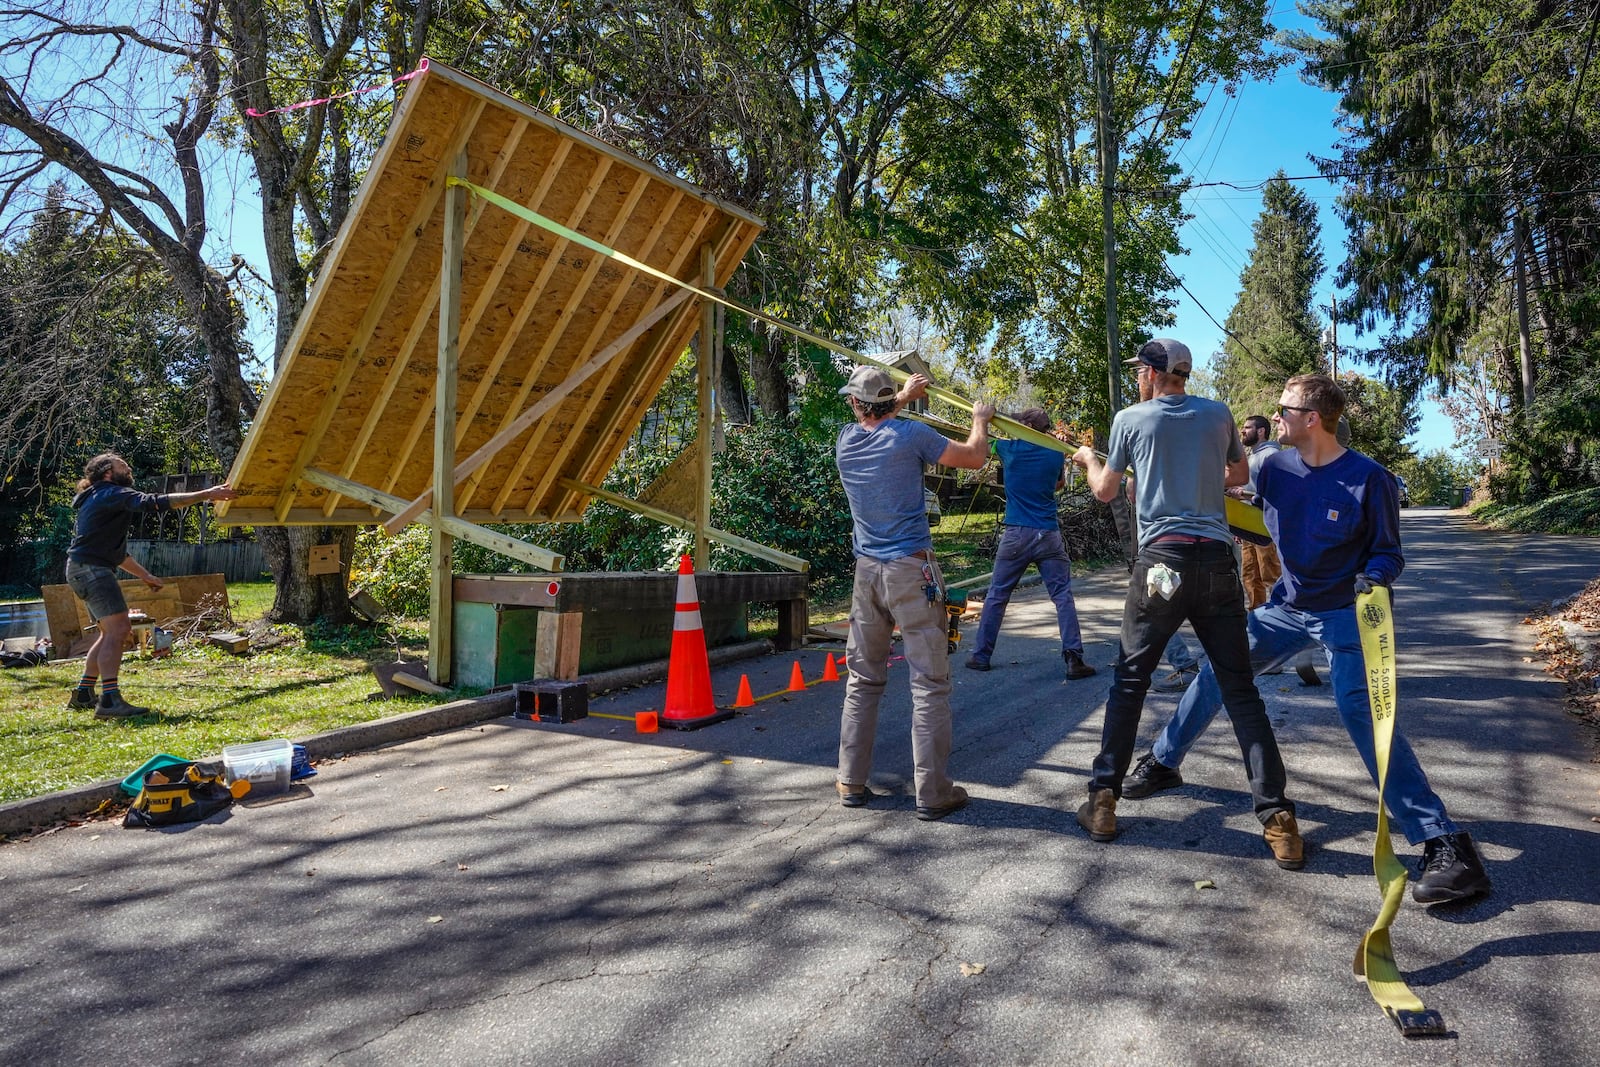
(1211, 598)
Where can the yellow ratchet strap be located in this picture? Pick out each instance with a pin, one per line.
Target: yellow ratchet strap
(1375, 958)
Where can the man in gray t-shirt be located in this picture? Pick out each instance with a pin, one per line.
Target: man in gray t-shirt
(1182, 451)
(897, 582)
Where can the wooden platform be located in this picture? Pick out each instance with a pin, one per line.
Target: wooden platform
(559, 626)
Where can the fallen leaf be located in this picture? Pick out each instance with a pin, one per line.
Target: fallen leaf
(79, 888)
(498, 788)
(970, 969)
(310, 871)
(436, 918)
(1205, 883)
(441, 789)
(461, 867)
(94, 837)
(727, 761)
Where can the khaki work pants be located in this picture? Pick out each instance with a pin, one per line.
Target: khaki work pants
(886, 594)
(1260, 567)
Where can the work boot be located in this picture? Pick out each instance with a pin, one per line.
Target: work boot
(1098, 815)
(1076, 668)
(1283, 837)
(958, 800)
(1450, 870)
(854, 796)
(1149, 777)
(1177, 681)
(114, 707)
(82, 699)
(976, 664)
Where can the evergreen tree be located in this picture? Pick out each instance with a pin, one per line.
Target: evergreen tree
(1274, 333)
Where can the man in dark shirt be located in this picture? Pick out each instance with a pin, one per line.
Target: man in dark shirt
(1335, 517)
(106, 503)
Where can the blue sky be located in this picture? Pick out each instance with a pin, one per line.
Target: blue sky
(1246, 140)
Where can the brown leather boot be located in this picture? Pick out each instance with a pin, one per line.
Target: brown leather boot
(1098, 815)
(1283, 837)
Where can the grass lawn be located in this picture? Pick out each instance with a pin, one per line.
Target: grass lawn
(205, 698)
(294, 682)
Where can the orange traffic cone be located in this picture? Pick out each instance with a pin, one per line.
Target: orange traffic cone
(797, 679)
(689, 703)
(842, 664)
(744, 699)
(830, 673)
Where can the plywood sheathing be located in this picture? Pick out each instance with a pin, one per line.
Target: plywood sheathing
(355, 395)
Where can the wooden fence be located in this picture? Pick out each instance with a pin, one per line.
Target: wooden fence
(239, 561)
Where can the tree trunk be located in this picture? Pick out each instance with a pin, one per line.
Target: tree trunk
(300, 596)
(731, 393)
(768, 372)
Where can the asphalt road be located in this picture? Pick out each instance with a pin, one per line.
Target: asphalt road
(521, 893)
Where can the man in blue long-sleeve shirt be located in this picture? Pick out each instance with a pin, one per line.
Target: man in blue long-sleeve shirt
(1335, 516)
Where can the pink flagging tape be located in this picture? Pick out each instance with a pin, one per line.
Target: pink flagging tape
(253, 113)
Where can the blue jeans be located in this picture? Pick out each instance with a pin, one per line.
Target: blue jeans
(1177, 654)
(1211, 598)
(1278, 631)
(1020, 546)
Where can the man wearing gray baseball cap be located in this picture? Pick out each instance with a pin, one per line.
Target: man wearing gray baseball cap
(897, 582)
(1183, 451)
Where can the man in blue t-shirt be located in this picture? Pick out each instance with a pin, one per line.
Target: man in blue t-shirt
(1031, 534)
(106, 504)
(897, 582)
(1183, 451)
(1335, 516)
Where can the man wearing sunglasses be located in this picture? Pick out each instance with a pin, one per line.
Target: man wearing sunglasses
(1183, 451)
(1335, 516)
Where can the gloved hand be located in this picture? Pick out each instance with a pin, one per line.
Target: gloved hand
(1365, 582)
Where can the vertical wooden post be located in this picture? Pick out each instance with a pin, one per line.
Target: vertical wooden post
(705, 367)
(441, 601)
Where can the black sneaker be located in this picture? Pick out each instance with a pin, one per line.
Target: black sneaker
(976, 664)
(1149, 777)
(1450, 870)
(82, 699)
(1076, 668)
(117, 708)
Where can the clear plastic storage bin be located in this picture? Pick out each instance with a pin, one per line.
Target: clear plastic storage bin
(264, 764)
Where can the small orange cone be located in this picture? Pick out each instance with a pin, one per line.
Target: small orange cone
(842, 665)
(797, 679)
(646, 722)
(689, 703)
(830, 673)
(744, 699)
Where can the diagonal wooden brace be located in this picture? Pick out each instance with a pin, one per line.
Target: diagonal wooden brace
(463, 470)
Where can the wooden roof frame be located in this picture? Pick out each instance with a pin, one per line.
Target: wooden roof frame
(547, 357)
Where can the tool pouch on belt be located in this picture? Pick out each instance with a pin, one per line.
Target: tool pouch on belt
(181, 792)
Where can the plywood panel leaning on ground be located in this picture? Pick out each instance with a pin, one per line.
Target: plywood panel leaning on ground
(178, 598)
(355, 395)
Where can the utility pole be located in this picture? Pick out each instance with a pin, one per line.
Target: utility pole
(1108, 176)
(1333, 358)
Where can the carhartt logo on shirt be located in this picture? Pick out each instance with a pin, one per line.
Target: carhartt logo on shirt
(1333, 514)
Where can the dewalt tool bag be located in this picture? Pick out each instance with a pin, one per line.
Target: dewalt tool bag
(181, 792)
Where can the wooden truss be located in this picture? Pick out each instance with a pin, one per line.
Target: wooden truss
(547, 354)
